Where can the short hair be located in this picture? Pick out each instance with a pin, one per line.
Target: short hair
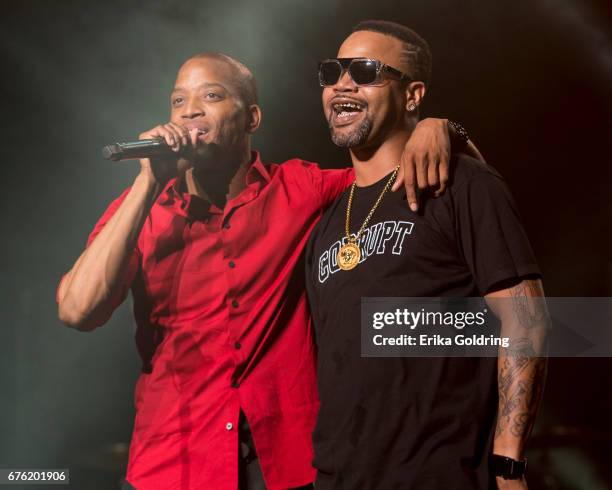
(242, 76)
(416, 54)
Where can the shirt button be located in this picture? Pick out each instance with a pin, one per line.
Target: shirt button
(235, 304)
(237, 345)
(232, 264)
(227, 226)
(229, 426)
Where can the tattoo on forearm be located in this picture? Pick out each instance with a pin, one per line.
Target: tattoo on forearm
(521, 374)
(520, 424)
(520, 385)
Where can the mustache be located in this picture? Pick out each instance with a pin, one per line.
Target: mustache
(348, 98)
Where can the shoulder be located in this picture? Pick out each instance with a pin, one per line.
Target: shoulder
(304, 171)
(298, 164)
(477, 189)
(466, 169)
(294, 168)
(476, 181)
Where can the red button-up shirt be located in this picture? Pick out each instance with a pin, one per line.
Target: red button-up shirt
(223, 325)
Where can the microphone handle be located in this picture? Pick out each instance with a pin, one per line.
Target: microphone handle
(136, 149)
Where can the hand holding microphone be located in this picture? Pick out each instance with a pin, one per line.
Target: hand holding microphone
(164, 151)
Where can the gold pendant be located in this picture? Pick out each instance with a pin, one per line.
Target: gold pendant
(348, 256)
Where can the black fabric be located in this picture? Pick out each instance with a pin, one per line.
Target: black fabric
(407, 423)
(250, 476)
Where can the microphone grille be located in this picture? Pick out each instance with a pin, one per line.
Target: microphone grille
(112, 152)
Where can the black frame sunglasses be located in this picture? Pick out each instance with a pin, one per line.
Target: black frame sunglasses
(363, 71)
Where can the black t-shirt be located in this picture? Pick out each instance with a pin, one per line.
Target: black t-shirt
(410, 423)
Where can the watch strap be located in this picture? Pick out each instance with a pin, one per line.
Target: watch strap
(508, 468)
(460, 131)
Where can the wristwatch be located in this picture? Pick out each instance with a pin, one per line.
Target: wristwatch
(460, 131)
(508, 468)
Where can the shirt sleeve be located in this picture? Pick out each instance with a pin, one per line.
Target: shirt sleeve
(134, 262)
(310, 280)
(491, 235)
(331, 183)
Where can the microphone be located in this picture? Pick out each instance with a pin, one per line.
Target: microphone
(137, 149)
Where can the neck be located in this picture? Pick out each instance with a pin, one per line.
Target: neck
(373, 163)
(222, 182)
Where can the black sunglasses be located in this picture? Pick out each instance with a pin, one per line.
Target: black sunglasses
(363, 71)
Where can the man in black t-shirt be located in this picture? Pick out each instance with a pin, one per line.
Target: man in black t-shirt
(406, 423)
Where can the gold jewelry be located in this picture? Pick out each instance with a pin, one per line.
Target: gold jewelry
(349, 254)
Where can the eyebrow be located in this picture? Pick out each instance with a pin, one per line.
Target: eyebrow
(204, 85)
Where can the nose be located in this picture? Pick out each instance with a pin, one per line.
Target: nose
(345, 83)
(192, 109)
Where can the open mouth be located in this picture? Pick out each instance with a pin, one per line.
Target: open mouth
(345, 112)
(200, 127)
(202, 132)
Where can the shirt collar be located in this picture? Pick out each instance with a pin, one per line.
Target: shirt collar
(171, 192)
(257, 173)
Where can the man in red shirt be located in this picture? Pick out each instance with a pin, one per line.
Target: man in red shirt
(211, 245)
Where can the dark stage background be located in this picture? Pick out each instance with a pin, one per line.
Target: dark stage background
(531, 80)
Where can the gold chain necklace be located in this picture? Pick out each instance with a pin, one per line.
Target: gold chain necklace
(349, 254)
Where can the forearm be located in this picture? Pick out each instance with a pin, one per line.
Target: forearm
(89, 291)
(520, 385)
(522, 365)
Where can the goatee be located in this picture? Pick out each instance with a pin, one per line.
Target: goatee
(353, 138)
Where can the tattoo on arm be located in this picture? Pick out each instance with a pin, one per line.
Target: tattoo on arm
(520, 386)
(521, 372)
(528, 306)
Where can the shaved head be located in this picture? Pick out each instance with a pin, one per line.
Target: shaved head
(241, 76)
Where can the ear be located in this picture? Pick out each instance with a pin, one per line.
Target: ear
(254, 118)
(415, 91)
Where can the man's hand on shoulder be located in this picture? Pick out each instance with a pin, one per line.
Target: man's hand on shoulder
(425, 161)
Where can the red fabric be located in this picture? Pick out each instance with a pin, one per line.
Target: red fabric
(223, 324)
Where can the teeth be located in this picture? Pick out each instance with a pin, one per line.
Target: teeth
(347, 106)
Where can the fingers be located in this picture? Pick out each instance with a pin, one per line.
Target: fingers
(410, 185)
(399, 179)
(433, 177)
(164, 167)
(159, 132)
(193, 137)
(443, 171)
(428, 151)
(422, 164)
(182, 132)
(174, 135)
